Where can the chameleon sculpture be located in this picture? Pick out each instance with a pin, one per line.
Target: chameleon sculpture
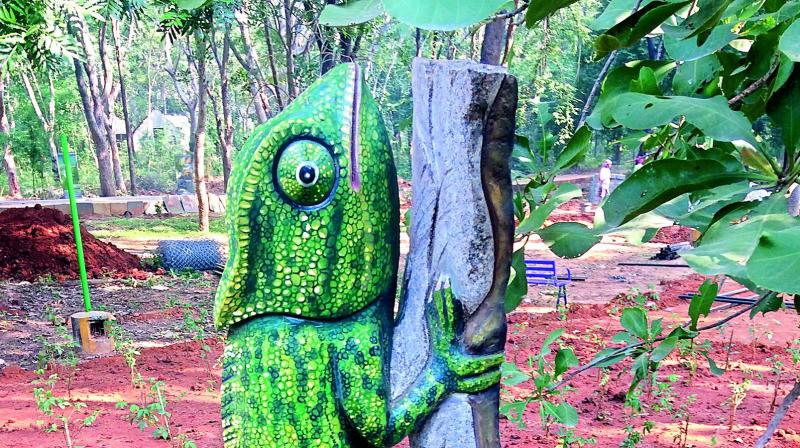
(308, 292)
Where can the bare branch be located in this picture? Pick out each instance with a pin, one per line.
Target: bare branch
(788, 401)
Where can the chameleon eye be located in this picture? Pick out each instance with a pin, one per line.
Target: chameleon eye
(306, 174)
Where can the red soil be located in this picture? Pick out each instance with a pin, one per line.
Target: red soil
(102, 382)
(672, 235)
(36, 241)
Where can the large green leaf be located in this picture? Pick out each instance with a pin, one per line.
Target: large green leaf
(539, 9)
(637, 26)
(694, 75)
(784, 110)
(710, 115)
(659, 182)
(618, 82)
(575, 151)
(790, 41)
(775, 263)
(635, 321)
(729, 243)
(568, 239)
(352, 12)
(536, 219)
(190, 4)
(443, 15)
(701, 303)
(518, 286)
(691, 49)
(705, 18)
(616, 12)
(705, 204)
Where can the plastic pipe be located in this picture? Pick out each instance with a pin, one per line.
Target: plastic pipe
(76, 224)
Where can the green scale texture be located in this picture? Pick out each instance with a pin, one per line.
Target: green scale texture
(309, 287)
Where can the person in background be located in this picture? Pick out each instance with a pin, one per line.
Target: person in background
(605, 178)
(638, 162)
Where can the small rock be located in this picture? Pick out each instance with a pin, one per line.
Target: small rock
(160, 288)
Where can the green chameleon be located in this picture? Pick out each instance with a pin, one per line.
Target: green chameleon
(308, 292)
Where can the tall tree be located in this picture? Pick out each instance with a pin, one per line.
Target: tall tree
(9, 163)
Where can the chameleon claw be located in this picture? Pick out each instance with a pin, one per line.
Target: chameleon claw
(478, 383)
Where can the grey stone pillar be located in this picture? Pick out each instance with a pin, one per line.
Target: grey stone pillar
(461, 232)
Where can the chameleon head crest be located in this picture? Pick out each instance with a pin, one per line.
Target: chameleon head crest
(312, 215)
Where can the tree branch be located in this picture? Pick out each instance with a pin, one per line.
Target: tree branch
(779, 414)
(634, 346)
(508, 15)
(757, 84)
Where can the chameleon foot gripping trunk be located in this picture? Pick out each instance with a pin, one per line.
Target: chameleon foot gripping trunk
(308, 291)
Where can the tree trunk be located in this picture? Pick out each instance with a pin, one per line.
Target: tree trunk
(108, 98)
(94, 98)
(9, 164)
(103, 153)
(46, 121)
(289, 43)
(462, 230)
(222, 114)
(494, 39)
(272, 68)
(254, 77)
(198, 142)
(125, 113)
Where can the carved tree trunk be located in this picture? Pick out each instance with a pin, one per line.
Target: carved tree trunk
(462, 231)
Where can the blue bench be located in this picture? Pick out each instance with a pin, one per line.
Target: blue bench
(543, 272)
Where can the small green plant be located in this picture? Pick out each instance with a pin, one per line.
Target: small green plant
(63, 414)
(567, 438)
(738, 393)
(58, 353)
(543, 373)
(152, 413)
(123, 344)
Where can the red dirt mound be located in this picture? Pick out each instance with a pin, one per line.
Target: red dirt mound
(672, 235)
(37, 241)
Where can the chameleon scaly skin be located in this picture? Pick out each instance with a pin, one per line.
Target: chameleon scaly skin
(308, 291)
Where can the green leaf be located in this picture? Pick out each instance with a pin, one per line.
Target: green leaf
(691, 49)
(659, 182)
(772, 302)
(352, 12)
(566, 415)
(664, 349)
(712, 366)
(790, 41)
(710, 115)
(728, 244)
(536, 219)
(568, 239)
(190, 4)
(616, 12)
(701, 303)
(694, 75)
(618, 82)
(784, 110)
(754, 159)
(442, 15)
(511, 374)
(539, 9)
(552, 337)
(704, 19)
(706, 203)
(518, 286)
(638, 25)
(775, 263)
(575, 151)
(565, 358)
(635, 321)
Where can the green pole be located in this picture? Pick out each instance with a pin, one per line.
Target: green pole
(76, 224)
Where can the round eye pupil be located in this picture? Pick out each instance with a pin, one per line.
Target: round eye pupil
(307, 174)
